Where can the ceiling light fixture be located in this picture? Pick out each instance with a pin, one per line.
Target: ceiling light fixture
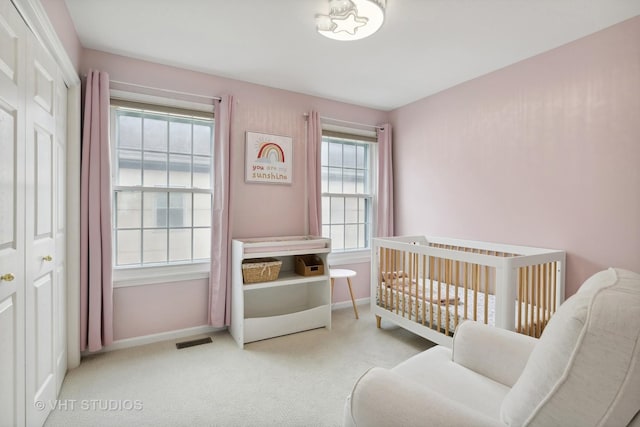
(351, 19)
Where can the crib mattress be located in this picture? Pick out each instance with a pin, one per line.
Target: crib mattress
(410, 298)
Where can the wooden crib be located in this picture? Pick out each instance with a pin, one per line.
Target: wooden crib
(430, 285)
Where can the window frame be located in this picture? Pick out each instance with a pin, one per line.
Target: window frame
(164, 272)
(350, 256)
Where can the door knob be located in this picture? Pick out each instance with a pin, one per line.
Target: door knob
(7, 277)
(47, 258)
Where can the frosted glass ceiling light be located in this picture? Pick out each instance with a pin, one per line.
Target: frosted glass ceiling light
(351, 19)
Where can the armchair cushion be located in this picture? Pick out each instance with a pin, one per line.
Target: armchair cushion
(584, 369)
(385, 398)
(434, 369)
(493, 352)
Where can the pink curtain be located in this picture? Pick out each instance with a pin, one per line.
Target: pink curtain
(220, 275)
(314, 190)
(384, 226)
(96, 285)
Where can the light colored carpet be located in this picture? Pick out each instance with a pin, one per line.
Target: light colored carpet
(296, 380)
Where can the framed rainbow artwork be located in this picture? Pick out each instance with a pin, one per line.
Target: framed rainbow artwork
(268, 158)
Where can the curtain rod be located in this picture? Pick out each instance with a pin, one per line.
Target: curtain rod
(347, 122)
(177, 92)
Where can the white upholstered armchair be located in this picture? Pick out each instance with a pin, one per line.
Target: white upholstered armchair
(583, 371)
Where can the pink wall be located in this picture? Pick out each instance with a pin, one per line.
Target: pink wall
(544, 153)
(259, 210)
(152, 309)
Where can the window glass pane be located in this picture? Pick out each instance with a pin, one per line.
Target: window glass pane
(129, 209)
(179, 210)
(349, 152)
(324, 153)
(362, 242)
(201, 210)
(201, 140)
(155, 169)
(129, 131)
(179, 170)
(337, 237)
(201, 172)
(180, 137)
(154, 209)
(362, 207)
(154, 243)
(351, 237)
(201, 243)
(360, 181)
(324, 179)
(128, 247)
(349, 181)
(337, 210)
(326, 214)
(351, 210)
(155, 134)
(335, 154)
(129, 164)
(335, 180)
(180, 245)
(360, 157)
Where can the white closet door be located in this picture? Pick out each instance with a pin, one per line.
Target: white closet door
(41, 229)
(12, 215)
(60, 288)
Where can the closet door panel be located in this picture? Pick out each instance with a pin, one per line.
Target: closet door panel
(60, 226)
(12, 215)
(9, 390)
(41, 225)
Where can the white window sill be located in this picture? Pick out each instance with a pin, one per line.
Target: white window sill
(349, 257)
(139, 276)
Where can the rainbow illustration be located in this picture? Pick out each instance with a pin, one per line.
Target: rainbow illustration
(271, 152)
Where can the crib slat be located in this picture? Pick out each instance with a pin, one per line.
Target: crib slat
(537, 307)
(424, 284)
(431, 273)
(545, 306)
(553, 293)
(455, 296)
(447, 280)
(486, 294)
(466, 288)
(519, 304)
(440, 268)
(380, 275)
(410, 284)
(526, 301)
(476, 274)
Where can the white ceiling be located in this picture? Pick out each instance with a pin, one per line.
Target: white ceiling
(423, 47)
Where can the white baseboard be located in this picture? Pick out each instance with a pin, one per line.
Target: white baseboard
(347, 303)
(162, 336)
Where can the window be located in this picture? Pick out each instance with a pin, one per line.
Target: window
(162, 185)
(347, 191)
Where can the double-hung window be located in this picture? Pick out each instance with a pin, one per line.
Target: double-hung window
(162, 185)
(347, 190)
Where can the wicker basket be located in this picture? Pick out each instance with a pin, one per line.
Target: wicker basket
(260, 270)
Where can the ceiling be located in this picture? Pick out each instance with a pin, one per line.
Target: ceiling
(424, 46)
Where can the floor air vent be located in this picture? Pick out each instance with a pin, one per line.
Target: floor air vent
(185, 344)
